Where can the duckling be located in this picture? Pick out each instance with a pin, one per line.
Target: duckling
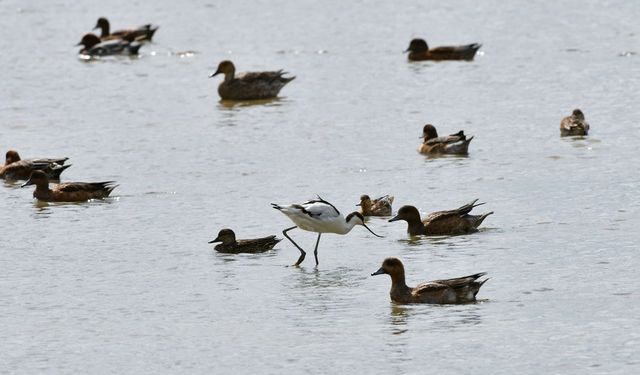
(449, 291)
(439, 223)
(15, 168)
(454, 144)
(574, 124)
(378, 207)
(140, 34)
(249, 86)
(231, 245)
(419, 50)
(69, 191)
(93, 46)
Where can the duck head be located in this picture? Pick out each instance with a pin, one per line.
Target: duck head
(392, 267)
(578, 114)
(89, 40)
(38, 178)
(356, 218)
(407, 213)
(365, 202)
(429, 132)
(417, 46)
(12, 156)
(227, 68)
(226, 236)
(103, 25)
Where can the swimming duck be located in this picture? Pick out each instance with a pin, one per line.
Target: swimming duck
(419, 50)
(448, 291)
(377, 207)
(251, 85)
(574, 124)
(15, 168)
(68, 191)
(231, 245)
(439, 223)
(92, 46)
(140, 34)
(454, 144)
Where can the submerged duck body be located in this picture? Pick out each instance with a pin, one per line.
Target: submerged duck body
(230, 245)
(94, 47)
(574, 124)
(16, 168)
(454, 144)
(251, 85)
(68, 191)
(140, 34)
(376, 207)
(419, 50)
(441, 223)
(448, 291)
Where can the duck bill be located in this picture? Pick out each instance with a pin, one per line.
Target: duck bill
(406, 50)
(214, 74)
(378, 272)
(358, 205)
(216, 240)
(28, 183)
(365, 225)
(395, 218)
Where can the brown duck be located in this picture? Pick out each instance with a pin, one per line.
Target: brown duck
(15, 168)
(68, 191)
(449, 291)
(574, 124)
(377, 207)
(249, 86)
(419, 50)
(140, 34)
(454, 144)
(231, 245)
(440, 223)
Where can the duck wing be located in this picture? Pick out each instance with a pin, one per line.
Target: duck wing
(269, 77)
(448, 51)
(460, 282)
(69, 187)
(453, 138)
(447, 222)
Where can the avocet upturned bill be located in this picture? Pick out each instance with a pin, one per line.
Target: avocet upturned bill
(319, 216)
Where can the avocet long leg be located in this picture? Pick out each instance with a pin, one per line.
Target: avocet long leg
(302, 253)
(315, 251)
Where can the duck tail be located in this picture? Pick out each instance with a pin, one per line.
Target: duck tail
(133, 48)
(475, 46)
(480, 219)
(152, 30)
(56, 171)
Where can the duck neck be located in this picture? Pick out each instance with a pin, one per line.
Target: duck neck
(104, 30)
(415, 227)
(229, 75)
(398, 284)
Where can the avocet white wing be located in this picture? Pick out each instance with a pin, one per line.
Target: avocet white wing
(316, 215)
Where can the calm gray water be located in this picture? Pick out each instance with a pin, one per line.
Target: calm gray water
(130, 285)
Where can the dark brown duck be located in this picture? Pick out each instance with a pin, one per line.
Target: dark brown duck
(574, 124)
(68, 191)
(439, 223)
(448, 291)
(454, 144)
(419, 50)
(140, 34)
(229, 244)
(251, 85)
(15, 168)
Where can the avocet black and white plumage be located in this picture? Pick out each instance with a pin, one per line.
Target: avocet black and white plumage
(319, 216)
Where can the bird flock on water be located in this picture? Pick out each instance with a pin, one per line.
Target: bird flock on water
(316, 215)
